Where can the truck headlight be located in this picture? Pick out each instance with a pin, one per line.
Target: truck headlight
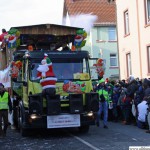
(90, 114)
(33, 116)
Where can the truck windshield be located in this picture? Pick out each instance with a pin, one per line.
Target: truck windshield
(64, 69)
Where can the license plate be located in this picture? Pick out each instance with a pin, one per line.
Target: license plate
(62, 121)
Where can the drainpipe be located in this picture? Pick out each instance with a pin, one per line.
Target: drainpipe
(117, 40)
(112, 1)
(139, 38)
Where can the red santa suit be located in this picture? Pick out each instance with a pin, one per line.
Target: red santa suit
(2, 36)
(2, 39)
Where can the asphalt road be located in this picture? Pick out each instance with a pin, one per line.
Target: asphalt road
(117, 137)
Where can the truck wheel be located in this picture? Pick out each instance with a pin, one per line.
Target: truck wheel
(24, 132)
(18, 115)
(84, 129)
(15, 117)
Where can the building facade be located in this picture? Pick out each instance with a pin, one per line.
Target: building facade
(133, 24)
(104, 45)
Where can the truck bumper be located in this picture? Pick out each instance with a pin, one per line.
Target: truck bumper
(41, 121)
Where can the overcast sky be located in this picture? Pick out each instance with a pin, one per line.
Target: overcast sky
(29, 12)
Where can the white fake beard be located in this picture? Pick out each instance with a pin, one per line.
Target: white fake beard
(43, 68)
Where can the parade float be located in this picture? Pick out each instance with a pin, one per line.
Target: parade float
(46, 58)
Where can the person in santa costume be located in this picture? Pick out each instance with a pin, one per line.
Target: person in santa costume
(2, 39)
(47, 77)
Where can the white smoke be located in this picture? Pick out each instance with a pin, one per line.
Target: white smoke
(85, 21)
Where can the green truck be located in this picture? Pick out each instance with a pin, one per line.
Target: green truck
(74, 104)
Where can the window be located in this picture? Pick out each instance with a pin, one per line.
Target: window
(100, 34)
(147, 10)
(112, 34)
(129, 69)
(64, 69)
(113, 60)
(148, 54)
(126, 22)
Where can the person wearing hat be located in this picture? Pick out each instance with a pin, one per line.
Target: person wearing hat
(5, 105)
(47, 76)
(103, 104)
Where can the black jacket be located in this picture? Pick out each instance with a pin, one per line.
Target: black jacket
(132, 88)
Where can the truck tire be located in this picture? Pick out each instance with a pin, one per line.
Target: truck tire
(15, 117)
(24, 132)
(84, 129)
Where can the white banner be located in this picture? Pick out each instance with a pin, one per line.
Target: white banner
(62, 121)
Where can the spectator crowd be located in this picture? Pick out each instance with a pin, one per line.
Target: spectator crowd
(124, 100)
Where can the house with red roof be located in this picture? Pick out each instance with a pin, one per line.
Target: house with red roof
(102, 38)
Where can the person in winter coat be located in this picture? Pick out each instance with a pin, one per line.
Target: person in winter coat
(109, 88)
(138, 96)
(5, 105)
(103, 104)
(131, 89)
(115, 98)
(146, 86)
(120, 104)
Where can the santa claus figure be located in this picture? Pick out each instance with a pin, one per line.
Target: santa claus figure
(47, 76)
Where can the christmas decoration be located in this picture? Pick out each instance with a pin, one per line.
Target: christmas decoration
(80, 39)
(100, 67)
(74, 87)
(16, 66)
(46, 74)
(11, 38)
